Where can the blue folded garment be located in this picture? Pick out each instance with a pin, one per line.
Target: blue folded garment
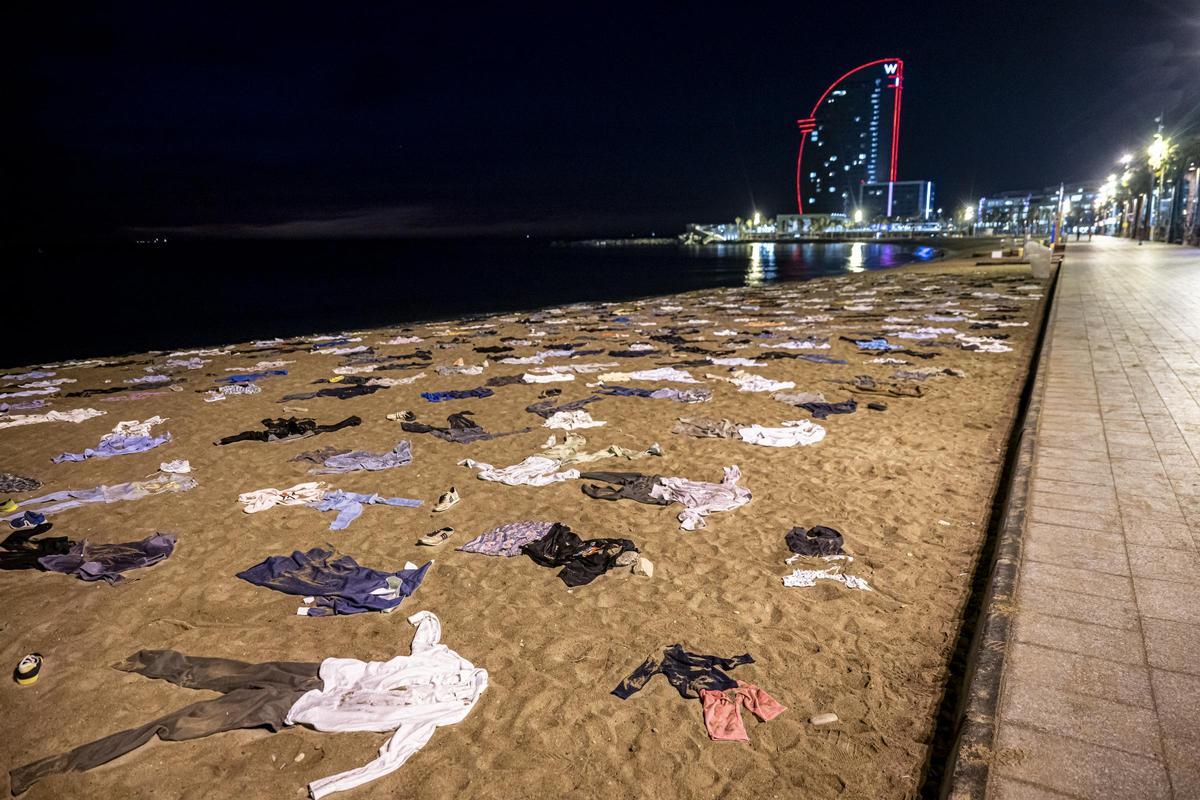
(338, 583)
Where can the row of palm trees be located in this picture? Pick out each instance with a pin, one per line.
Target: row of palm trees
(1155, 196)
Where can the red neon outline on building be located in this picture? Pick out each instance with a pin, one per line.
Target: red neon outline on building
(899, 86)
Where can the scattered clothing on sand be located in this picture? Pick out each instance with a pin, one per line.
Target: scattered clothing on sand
(796, 398)
(548, 408)
(553, 377)
(412, 695)
(53, 503)
(20, 550)
(700, 498)
(722, 717)
(298, 495)
(818, 540)
(344, 390)
(747, 382)
(357, 460)
(627, 486)
(388, 383)
(250, 377)
(457, 394)
(811, 343)
(22, 406)
(17, 484)
(794, 432)
(925, 373)
(533, 471)
(734, 362)
(335, 583)
(461, 369)
(108, 562)
(667, 374)
(570, 451)
(816, 358)
(75, 415)
(508, 539)
(803, 578)
(461, 430)
(878, 343)
(572, 420)
(820, 409)
(688, 672)
(982, 344)
(865, 384)
(280, 429)
(582, 560)
(319, 455)
(129, 436)
(220, 393)
(678, 395)
(349, 505)
(706, 428)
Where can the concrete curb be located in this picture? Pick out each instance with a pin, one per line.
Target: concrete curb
(966, 776)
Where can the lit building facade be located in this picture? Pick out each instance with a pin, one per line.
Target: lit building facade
(896, 200)
(851, 138)
(1035, 212)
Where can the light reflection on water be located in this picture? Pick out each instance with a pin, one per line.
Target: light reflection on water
(762, 264)
(856, 263)
(772, 262)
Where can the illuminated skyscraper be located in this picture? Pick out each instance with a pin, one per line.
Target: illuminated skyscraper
(851, 138)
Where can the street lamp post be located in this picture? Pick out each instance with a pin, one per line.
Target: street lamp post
(1156, 154)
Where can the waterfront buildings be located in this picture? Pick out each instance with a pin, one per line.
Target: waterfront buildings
(1034, 212)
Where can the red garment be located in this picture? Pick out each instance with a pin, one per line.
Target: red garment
(722, 717)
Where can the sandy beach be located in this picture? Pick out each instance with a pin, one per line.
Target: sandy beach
(908, 487)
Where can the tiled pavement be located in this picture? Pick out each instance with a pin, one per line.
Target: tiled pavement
(1101, 686)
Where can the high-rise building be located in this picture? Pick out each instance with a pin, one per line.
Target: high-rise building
(851, 138)
(912, 200)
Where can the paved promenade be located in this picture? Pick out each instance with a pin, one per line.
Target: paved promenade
(1101, 687)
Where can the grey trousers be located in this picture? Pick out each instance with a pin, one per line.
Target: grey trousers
(253, 696)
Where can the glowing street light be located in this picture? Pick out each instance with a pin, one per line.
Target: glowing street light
(1125, 159)
(858, 215)
(1157, 151)
(1156, 155)
(968, 213)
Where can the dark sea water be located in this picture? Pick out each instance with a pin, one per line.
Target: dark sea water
(80, 302)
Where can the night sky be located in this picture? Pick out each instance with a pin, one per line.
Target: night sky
(433, 119)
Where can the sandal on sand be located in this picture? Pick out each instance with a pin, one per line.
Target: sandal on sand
(437, 537)
(447, 501)
(8, 505)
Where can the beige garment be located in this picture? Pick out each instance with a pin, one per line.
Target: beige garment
(571, 451)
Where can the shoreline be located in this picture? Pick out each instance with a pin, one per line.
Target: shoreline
(448, 317)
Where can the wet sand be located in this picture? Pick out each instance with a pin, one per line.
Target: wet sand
(910, 488)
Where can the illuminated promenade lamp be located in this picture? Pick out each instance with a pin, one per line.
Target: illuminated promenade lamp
(858, 215)
(1156, 155)
(1157, 151)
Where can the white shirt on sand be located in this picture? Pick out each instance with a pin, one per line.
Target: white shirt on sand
(412, 695)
